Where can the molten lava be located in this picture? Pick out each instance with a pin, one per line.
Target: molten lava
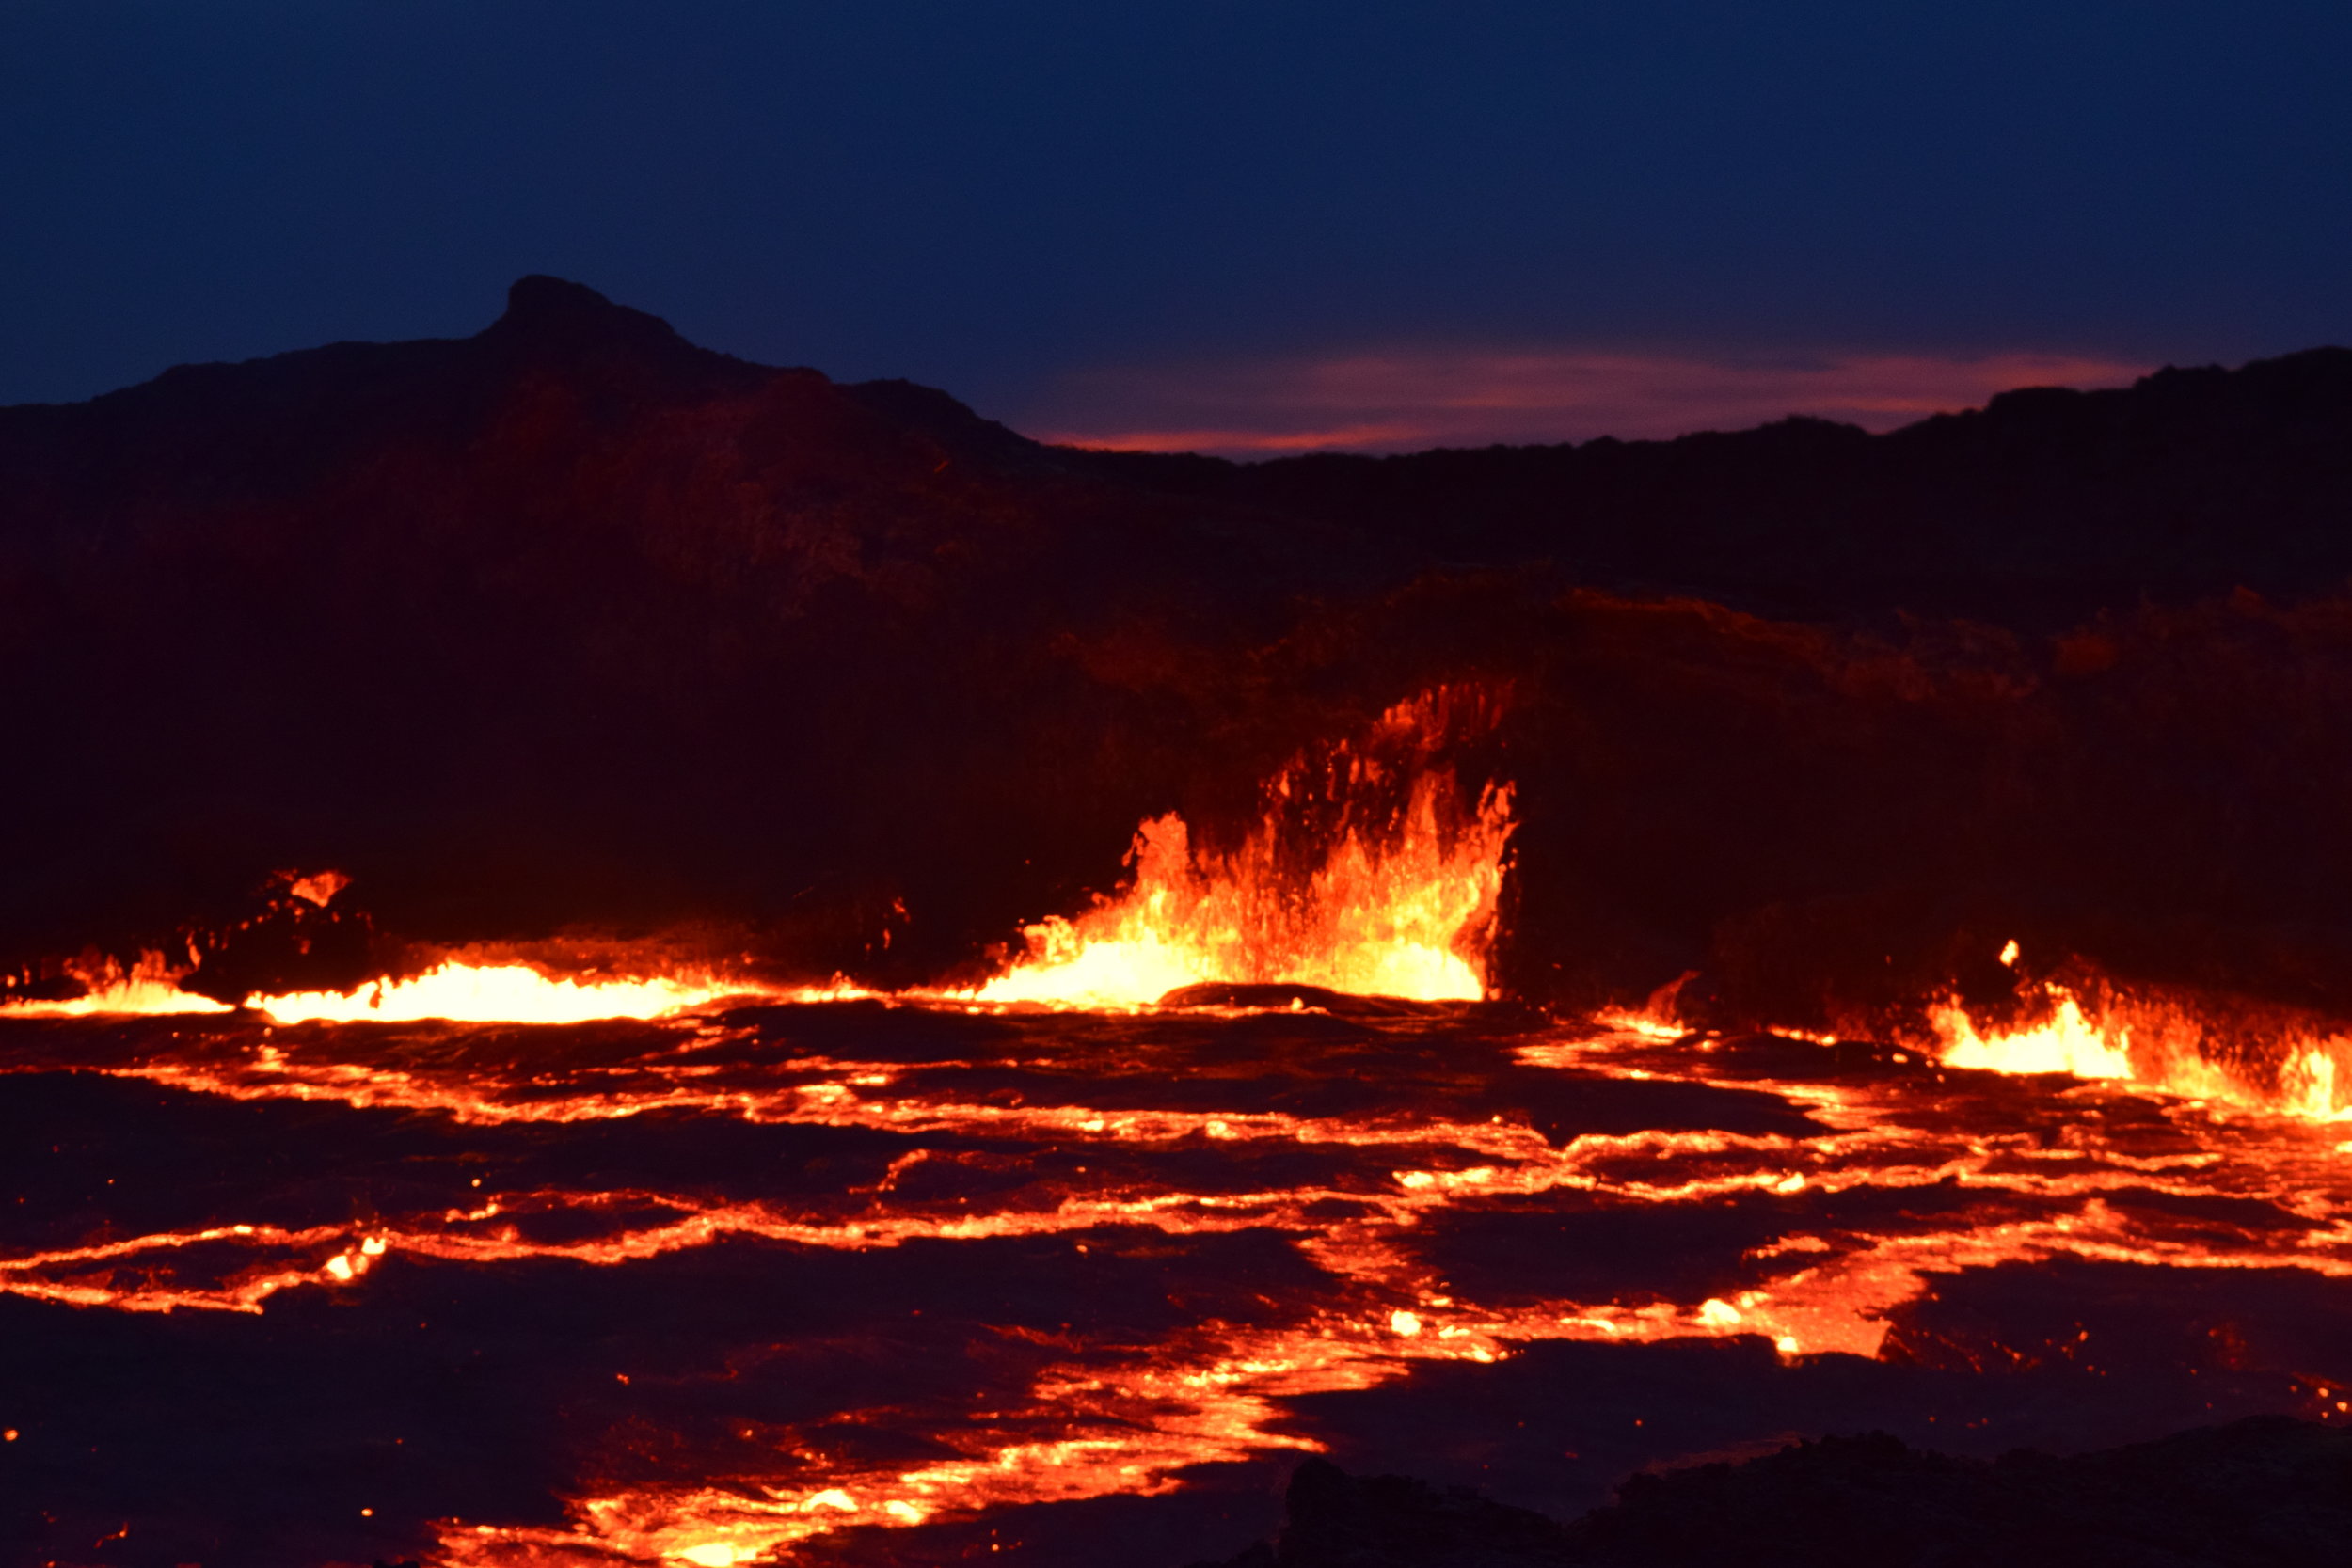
(2214, 1049)
(1398, 904)
(1279, 1205)
(149, 987)
(2063, 1042)
(1097, 1142)
(1390, 890)
(1073, 1148)
(501, 994)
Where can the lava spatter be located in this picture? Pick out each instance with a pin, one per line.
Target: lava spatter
(1398, 897)
(2217, 1048)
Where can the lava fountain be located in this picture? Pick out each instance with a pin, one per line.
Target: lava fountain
(1369, 873)
(2225, 1049)
(1394, 900)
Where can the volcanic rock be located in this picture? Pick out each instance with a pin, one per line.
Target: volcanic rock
(2269, 1491)
(1337, 1520)
(1224, 994)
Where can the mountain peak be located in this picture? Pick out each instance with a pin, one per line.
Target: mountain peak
(553, 312)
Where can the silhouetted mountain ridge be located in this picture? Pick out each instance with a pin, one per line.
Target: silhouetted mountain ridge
(574, 621)
(456, 610)
(2042, 507)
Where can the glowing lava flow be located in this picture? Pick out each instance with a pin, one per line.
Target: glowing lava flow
(1125, 1429)
(1059, 1134)
(149, 988)
(2064, 1042)
(869, 1175)
(2266, 1060)
(454, 992)
(1405, 910)
(498, 993)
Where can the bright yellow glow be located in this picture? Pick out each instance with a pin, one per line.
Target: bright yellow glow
(2161, 1040)
(1647, 1024)
(2064, 1042)
(149, 987)
(497, 993)
(1408, 911)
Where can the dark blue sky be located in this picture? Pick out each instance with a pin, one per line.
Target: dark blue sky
(1061, 212)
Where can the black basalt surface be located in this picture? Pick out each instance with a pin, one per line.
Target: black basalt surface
(2267, 1492)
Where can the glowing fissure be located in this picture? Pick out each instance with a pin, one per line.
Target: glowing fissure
(1528, 1167)
(92, 1278)
(1124, 1430)
(1128, 1420)
(2099, 1170)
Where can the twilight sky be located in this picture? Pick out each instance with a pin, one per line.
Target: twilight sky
(1254, 226)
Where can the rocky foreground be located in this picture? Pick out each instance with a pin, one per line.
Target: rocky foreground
(2269, 1491)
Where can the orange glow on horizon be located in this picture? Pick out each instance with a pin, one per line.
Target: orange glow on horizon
(1419, 398)
(1256, 442)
